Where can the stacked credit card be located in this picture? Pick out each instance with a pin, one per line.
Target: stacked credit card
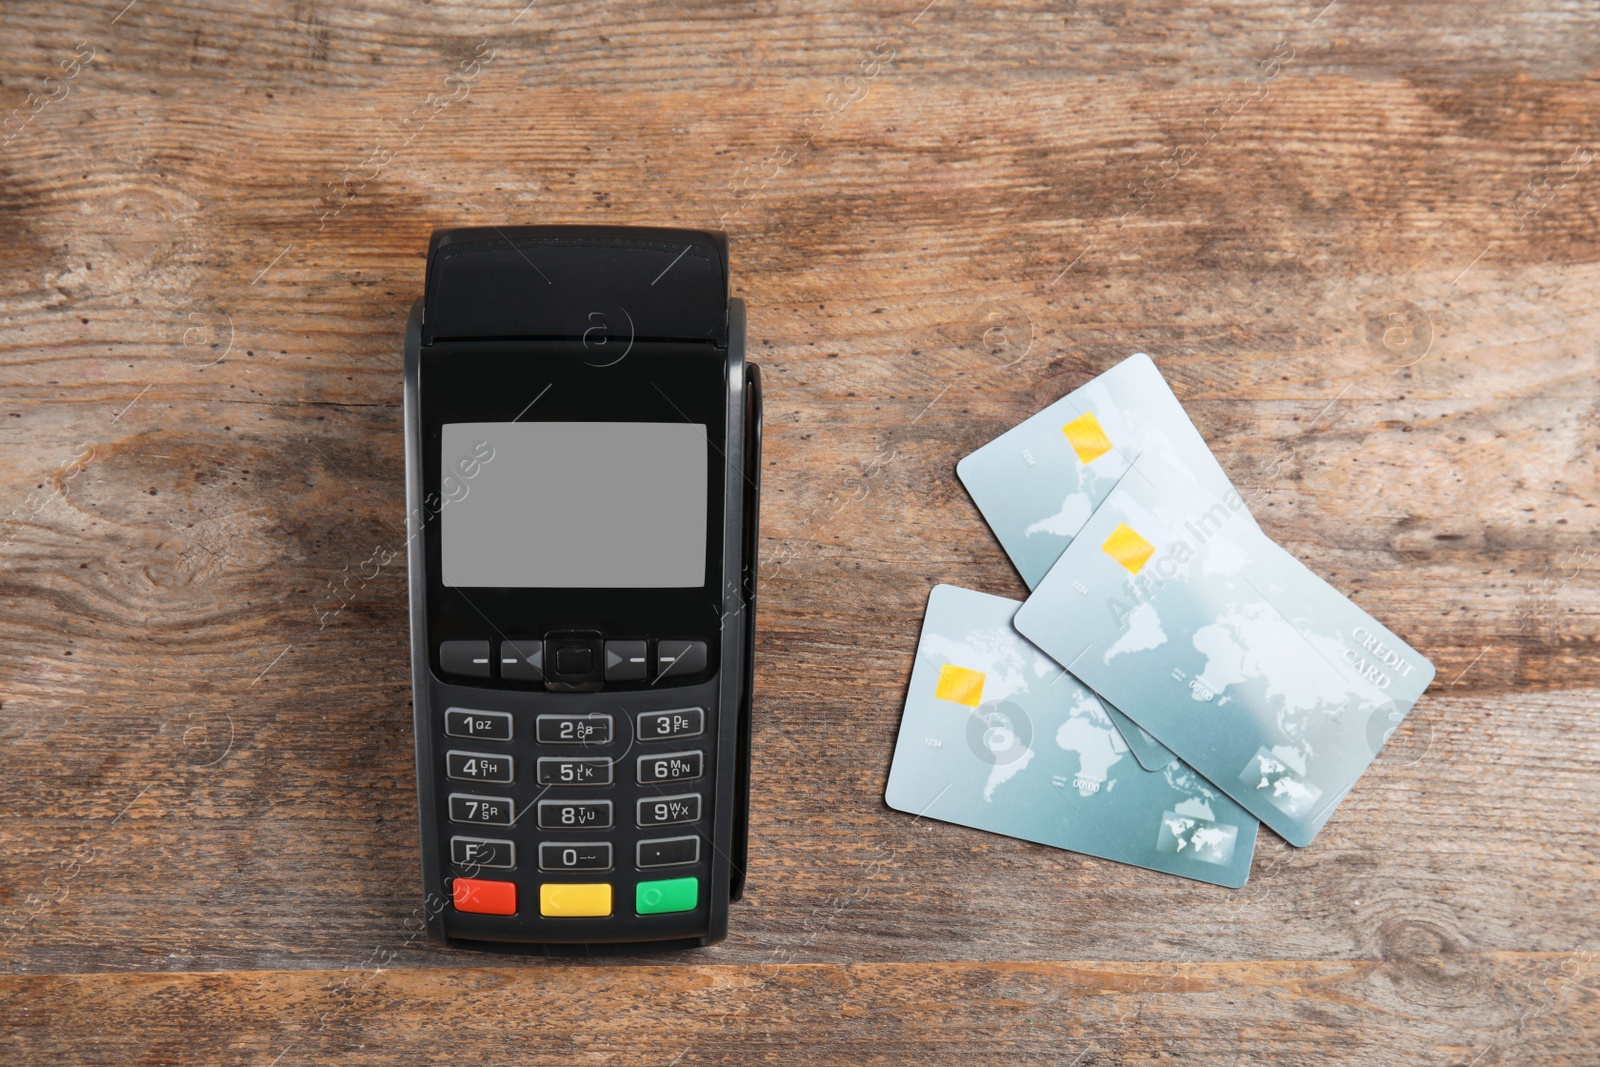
(1174, 677)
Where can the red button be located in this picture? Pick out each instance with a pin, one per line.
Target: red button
(482, 897)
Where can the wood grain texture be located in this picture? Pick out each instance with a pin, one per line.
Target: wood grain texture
(1304, 1011)
(210, 234)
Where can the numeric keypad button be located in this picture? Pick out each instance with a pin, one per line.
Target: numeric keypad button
(671, 767)
(483, 811)
(670, 725)
(574, 770)
(665, 811)
(574, 814)
(478, 766)
(576, 856)
(478, 725)
(591, 729)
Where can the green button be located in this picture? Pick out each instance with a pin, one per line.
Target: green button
(668, 894)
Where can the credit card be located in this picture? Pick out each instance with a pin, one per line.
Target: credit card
(996, 736)
(1038, 483)
(1257, 673)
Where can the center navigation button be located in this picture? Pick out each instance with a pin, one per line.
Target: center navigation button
(574, 661)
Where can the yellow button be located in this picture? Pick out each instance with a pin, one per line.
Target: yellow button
(572, 900)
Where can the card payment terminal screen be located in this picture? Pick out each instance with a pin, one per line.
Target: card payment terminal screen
(573, 505)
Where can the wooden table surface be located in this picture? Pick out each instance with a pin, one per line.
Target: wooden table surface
(1359, 239)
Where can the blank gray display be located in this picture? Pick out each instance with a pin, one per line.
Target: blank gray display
(574, 505)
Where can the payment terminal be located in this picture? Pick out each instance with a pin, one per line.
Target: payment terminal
(583, 439)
